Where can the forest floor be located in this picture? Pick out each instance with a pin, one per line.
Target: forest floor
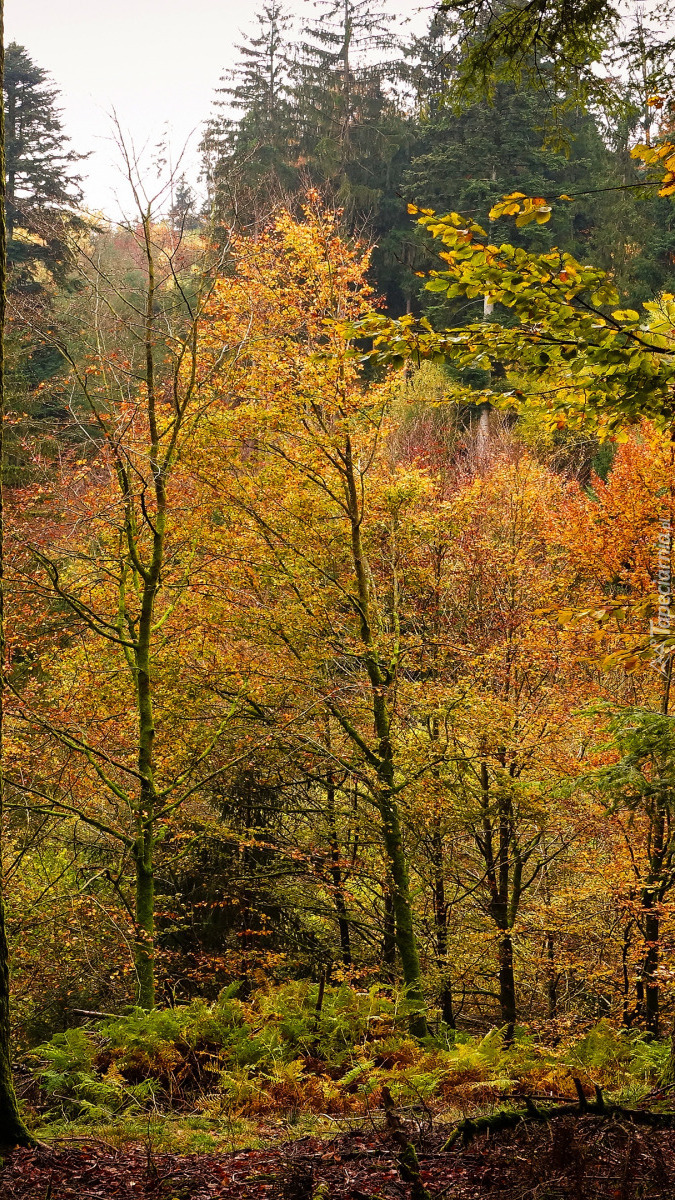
(586, 1158)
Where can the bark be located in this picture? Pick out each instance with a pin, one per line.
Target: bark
(649, 970)
(651, 897)
(341, 907)
(10, 185)
(381, 677)
(336, 876)
(406, 941)
(13, 1132)
(144, 958)
(504, 875)
(628, 1013)
(389, 930)
(143, 850)
(441, 921)
(551, 977)
(507, 984)
(150, 575)
(472, 1127)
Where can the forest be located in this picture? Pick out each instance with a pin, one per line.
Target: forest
(337, 489)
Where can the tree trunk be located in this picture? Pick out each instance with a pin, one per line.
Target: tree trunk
(10, 180)
(147, 807)
(406, 941)
(384, 795)
(13, 1132)
(441, 921)
(649, 970)
(144, 956)
(388, 930)
(504, 879)
(628, 1013)
(651, 897)
(507, 983)
(336, 874)
(341, 906)
(551, 977)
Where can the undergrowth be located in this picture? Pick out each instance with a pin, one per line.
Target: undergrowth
(207, 1075)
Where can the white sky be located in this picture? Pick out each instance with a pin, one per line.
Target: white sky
(154, 61)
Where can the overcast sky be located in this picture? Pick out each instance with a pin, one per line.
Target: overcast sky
(154, 61)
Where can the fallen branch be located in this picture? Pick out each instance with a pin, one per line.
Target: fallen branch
(472, 1127)
(95, 1016)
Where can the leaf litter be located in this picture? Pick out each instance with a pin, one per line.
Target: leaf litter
(571, 1159)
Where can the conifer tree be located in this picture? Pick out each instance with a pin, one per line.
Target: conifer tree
(635, 232)
(42, 189)
(466, 161)
(341, 88)
(357, 127)
(183, 212)
(248, 143)
(323, 114)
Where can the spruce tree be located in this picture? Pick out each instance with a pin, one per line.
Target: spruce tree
(323, 114)
(634, 236)
(42, 189)
(357, 128)
(183, 212)
(343, 86)
(465, 161)
(248, 146)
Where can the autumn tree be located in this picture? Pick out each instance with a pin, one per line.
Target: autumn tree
(115, 552)
(319, 531)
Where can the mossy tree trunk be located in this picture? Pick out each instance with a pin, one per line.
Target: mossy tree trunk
(382, 677)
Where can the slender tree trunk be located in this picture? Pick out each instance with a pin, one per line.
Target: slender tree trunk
(13, 1132)
(651, 896)
(406, 941)
(336, 870)
(508, 906)
(504, 879)
(649, 970)
(340, 902)
(441, 921)
(146, 814)
(389, 929)
(144, 956)
(145, 817)
(507, 983)
(551, 977)
(628, 1013)
(380, 677)
(549, 948)
(483, 435)
(10, 181)
(639, 997)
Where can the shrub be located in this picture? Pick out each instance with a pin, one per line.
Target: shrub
(277, 1053)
